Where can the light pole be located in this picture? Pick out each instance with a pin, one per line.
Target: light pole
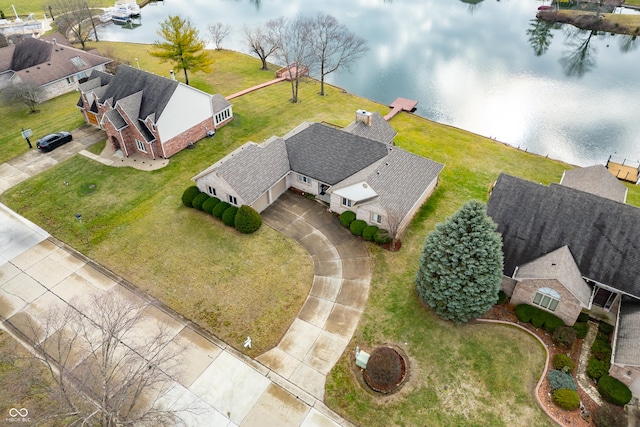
(84, 230)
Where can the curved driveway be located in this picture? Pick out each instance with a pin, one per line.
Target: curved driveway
(326, 322)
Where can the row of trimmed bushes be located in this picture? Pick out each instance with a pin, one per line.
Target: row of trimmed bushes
(538, 317)
(245, 219)
(359, 227)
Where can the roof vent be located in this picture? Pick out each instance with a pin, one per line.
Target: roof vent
(364, 185)
(386, 163)
(54, 41)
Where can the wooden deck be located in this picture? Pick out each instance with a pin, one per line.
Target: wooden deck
(401, 104)
(623, 172)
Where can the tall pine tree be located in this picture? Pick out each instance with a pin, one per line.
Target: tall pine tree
(461, 265)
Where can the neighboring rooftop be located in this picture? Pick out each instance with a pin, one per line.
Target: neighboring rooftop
(595, 180)
(603, 235)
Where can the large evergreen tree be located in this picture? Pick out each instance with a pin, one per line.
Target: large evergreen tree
(182, 45)
(461, 265)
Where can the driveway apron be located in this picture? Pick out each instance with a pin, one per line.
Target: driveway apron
(326, 322)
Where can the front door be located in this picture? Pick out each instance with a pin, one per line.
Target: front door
(603, 298)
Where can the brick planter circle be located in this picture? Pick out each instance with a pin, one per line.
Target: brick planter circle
(386, 370)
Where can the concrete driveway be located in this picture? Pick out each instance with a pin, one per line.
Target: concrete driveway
(342, 273)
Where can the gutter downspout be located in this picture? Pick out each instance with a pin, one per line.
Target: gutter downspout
(615, 336)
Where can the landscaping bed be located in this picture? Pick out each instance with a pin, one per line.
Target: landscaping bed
(506, 313)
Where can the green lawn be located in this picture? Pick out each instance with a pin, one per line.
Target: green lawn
(236, 285)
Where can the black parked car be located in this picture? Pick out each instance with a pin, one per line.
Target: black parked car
(51, 141)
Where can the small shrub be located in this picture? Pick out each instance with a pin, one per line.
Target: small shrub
(537, 317)
(601, 349)
(248, 220)
(347, 217)
(369, 232)
(229, 216)
(188, 196)
(581, 329)
(566, 399)
(562, 362)
(357, 227)
(565, 335)
(552, 322)
(219, 209)
(605, 328)
(382, 237)
(597, 368)
(502, 297)
(209, 204)
(558, 379)
(524, 312)
(614, 391)
(583, 318)
(199, 200)
(609, 416)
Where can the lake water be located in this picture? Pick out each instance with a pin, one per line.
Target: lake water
(471, 64)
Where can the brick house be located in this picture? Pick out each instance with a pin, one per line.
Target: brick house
(53, 65)
(356, 168)
(148, 114)
(572, 247)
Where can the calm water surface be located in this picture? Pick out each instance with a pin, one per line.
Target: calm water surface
(481, 67)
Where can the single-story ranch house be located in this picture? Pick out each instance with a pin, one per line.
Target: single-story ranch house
(53, 65)
(573, 247)
(148, 114)
(356, 168)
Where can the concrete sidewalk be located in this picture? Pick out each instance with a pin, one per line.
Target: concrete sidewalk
(230, 389)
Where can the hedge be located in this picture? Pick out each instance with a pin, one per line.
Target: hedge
(538, 317)
(502, 297)
(601, 349)
(382, 237)
(566, 399)
(357, 227)
(597, 368)
(605, 328)
(248, 220)
(209, 204)
(369, 232)
(559, 379)
(581, 329)
(565, 335)
(199, 200)
(614, 391)
(562, 362)
(229, 216)
(347, 217)
(188, 196)
(219, 209)
(583, 317)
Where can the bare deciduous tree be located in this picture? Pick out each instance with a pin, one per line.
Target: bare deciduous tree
(333, 46)
(74, 17)
(261, 40)
(294, 48)
(26, 93)
(107, 370)
(218, 32)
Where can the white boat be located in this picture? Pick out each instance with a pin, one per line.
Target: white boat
(105, 17)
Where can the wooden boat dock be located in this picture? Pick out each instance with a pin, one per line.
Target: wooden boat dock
(624, 170)
(401, 104)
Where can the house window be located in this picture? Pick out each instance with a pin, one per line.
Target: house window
(70, 79)
(233, 200)
(376, 218)
(211, 190)
(141, 146)
(304, 179)
(346, 202)
(547, 298)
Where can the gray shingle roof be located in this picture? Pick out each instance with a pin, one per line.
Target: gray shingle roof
(253, 169)
(595, 180)
(401, 178)
(29, 53)
(157, 91)
(116, 119)
(330, 155)
(219, 103)
(380, 130)
(559, 265)
(534, 220)
(627, 342)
